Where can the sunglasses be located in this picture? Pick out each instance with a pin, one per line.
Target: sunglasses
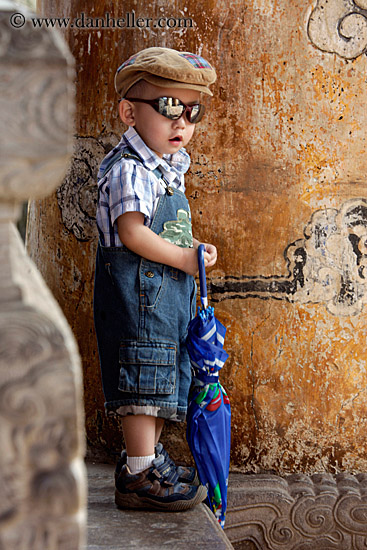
(173, 108)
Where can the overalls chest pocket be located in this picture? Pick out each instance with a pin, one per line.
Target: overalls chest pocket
(153, 282)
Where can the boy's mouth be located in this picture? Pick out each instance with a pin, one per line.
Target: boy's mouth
(176, 140)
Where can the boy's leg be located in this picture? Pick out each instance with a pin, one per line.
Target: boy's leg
(138, 430)
(158, 429)
(139, 434)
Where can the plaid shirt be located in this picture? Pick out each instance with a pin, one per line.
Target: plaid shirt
(131, 186)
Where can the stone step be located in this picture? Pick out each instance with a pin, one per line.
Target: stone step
(112, 529)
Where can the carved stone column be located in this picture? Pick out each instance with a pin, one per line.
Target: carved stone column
(42, 485)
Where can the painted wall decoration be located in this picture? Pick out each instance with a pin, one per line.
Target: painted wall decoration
(77, 195)
(328, 265)
(339, 26)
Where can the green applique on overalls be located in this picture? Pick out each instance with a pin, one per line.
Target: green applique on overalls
(179, 232)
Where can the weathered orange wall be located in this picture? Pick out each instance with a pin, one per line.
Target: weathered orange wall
(278, 183)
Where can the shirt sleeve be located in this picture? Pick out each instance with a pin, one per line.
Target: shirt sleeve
(130, 190)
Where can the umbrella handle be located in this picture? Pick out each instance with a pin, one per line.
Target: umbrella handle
(202, 276)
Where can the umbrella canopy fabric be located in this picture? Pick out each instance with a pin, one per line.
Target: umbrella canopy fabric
(209, 412)
(205, 342)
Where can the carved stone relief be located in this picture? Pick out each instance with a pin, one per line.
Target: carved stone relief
(329, 265)
(42, 480)
(298, 512)
(339, 26)
(38, 139)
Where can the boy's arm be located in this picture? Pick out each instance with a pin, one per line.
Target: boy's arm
(143, 241)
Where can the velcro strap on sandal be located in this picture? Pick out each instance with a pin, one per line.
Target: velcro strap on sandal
(155, 474)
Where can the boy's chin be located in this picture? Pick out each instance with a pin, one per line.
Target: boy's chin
(169, 151)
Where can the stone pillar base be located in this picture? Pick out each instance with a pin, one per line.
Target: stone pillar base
(297, 512)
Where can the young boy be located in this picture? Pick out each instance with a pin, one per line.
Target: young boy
(145, 292)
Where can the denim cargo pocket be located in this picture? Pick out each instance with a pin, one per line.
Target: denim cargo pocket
(147, 367)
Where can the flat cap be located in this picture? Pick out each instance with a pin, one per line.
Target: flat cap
(166, 68)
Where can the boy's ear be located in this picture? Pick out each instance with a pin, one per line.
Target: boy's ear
(126, 112)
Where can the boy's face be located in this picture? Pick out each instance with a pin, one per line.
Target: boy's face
(162, 135)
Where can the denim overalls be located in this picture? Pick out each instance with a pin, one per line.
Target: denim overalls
(141, 313)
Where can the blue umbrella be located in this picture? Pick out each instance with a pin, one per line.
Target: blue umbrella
(209, 412)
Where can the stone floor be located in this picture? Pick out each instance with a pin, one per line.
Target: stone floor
(112, 529)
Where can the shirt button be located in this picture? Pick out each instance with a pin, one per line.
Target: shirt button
(149, 274)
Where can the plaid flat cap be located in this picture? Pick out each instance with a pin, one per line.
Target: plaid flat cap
(166, 68)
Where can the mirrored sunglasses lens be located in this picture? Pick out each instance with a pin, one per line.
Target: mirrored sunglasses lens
(197, 113)
(170, 107)
(173, 109)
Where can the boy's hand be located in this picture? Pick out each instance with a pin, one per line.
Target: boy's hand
(210, 255)
(190, 263)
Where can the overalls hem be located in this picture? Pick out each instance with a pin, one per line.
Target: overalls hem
(126, 408)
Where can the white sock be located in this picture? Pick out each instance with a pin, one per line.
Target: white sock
(139, 463)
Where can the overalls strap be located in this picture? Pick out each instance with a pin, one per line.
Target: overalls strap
(128, 153)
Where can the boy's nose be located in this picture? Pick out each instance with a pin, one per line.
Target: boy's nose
(180, 122)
